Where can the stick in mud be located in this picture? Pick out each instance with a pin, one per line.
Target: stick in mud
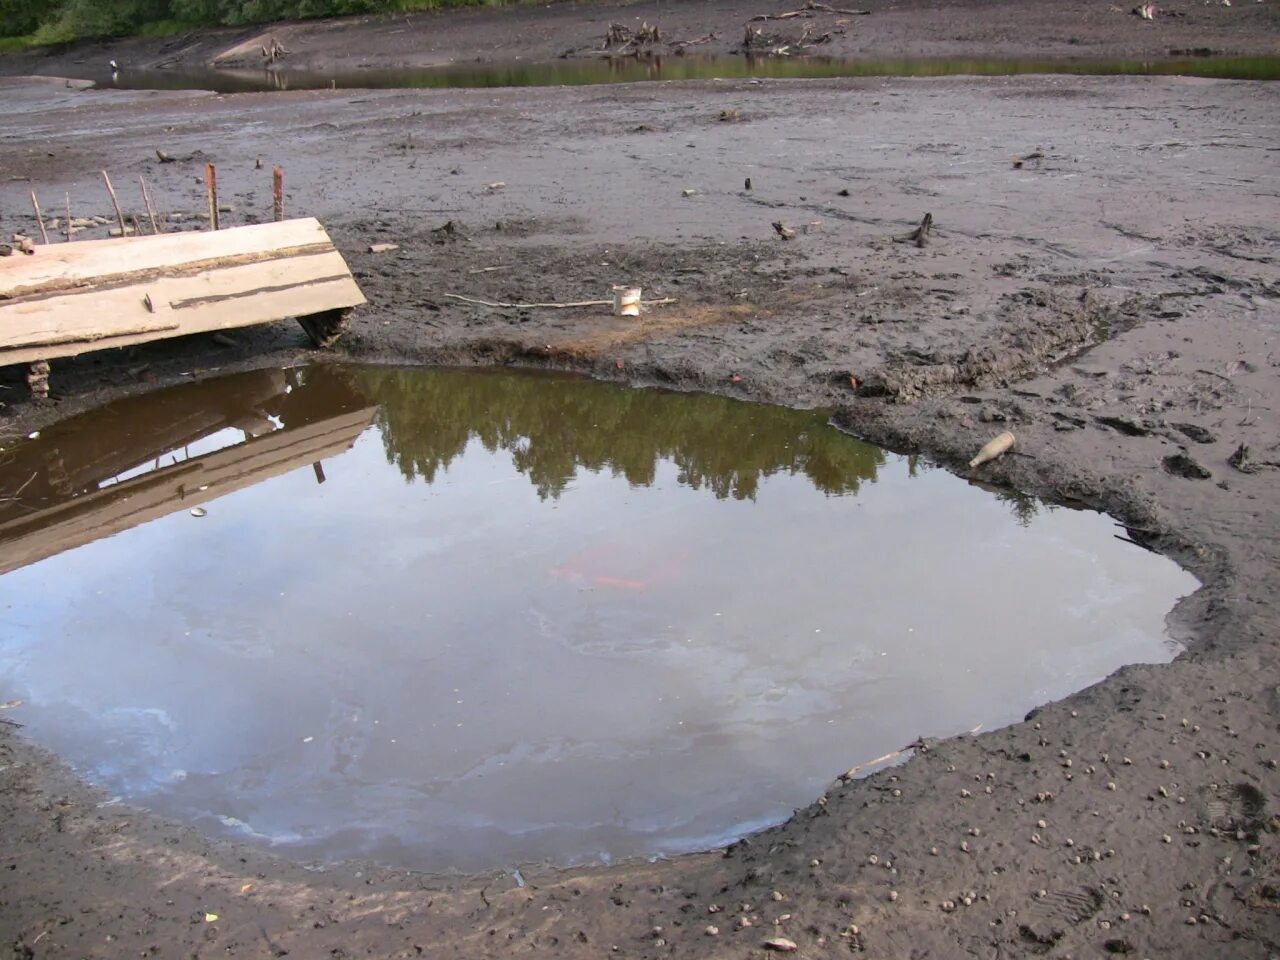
(277, 193)
(35, 205)
(115, 203)
(553, 305)
(211, 189)
(920, 235)
(151, 210)
(70, 229)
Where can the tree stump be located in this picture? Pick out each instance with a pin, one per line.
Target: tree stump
(325, 329)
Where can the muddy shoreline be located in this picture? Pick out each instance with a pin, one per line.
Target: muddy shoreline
(1113, 302)
(882, 30)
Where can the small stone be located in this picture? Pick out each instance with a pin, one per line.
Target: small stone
(712, 930)
(777, 896)
(1111, 785)
(933, 851)
(893, 896)
(1070, 842)
(966, 794)
(781, 945)
(1192, 921)
(1167, 839)
(714, 908)
(873, 859)
(948, 906)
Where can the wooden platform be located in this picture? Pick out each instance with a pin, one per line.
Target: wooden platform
(69, 298)
(76, 510)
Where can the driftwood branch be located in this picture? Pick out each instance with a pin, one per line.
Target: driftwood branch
(808, 10)
(553, 306)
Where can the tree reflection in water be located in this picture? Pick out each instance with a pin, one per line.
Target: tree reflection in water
(554, 425)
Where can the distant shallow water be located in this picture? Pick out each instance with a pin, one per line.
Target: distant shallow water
(460, 620)
(576, 72)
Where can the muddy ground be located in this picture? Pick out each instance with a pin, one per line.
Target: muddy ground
(1115, 302)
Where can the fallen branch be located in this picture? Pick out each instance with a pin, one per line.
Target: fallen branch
(691, 43)
(854, 770)
(808, 10)
(553, 306)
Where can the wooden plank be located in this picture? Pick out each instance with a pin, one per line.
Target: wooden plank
(60, 265)
(118, 507)
(216, 299)
(77, 456)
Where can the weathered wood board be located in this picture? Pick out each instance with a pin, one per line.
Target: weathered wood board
(27, 538)
(68, 298)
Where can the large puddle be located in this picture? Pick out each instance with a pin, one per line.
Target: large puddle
(632, 70)
(468, 619)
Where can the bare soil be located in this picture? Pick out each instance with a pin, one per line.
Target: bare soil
(1114, 302)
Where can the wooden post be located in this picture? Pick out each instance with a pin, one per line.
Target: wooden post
(70, 231)
(211, 187)
(115, 203)
(151, 210)
(277, 192)
(35, 205)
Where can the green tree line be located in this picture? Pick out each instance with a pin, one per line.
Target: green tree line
(61, 21)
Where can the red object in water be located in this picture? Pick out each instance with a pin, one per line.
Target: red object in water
(735, 379)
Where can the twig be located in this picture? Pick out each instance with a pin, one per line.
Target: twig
(824, 8)
(505, 266)
(17, 493)
(151, 210)
(211, 190)
(554, 306)
(114, 202)
(277, 193)
(12, 723)
(35, 204)
(691, 43)
(854, 770)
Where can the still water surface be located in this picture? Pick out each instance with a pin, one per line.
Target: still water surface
(470, 619)
(579, 72)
